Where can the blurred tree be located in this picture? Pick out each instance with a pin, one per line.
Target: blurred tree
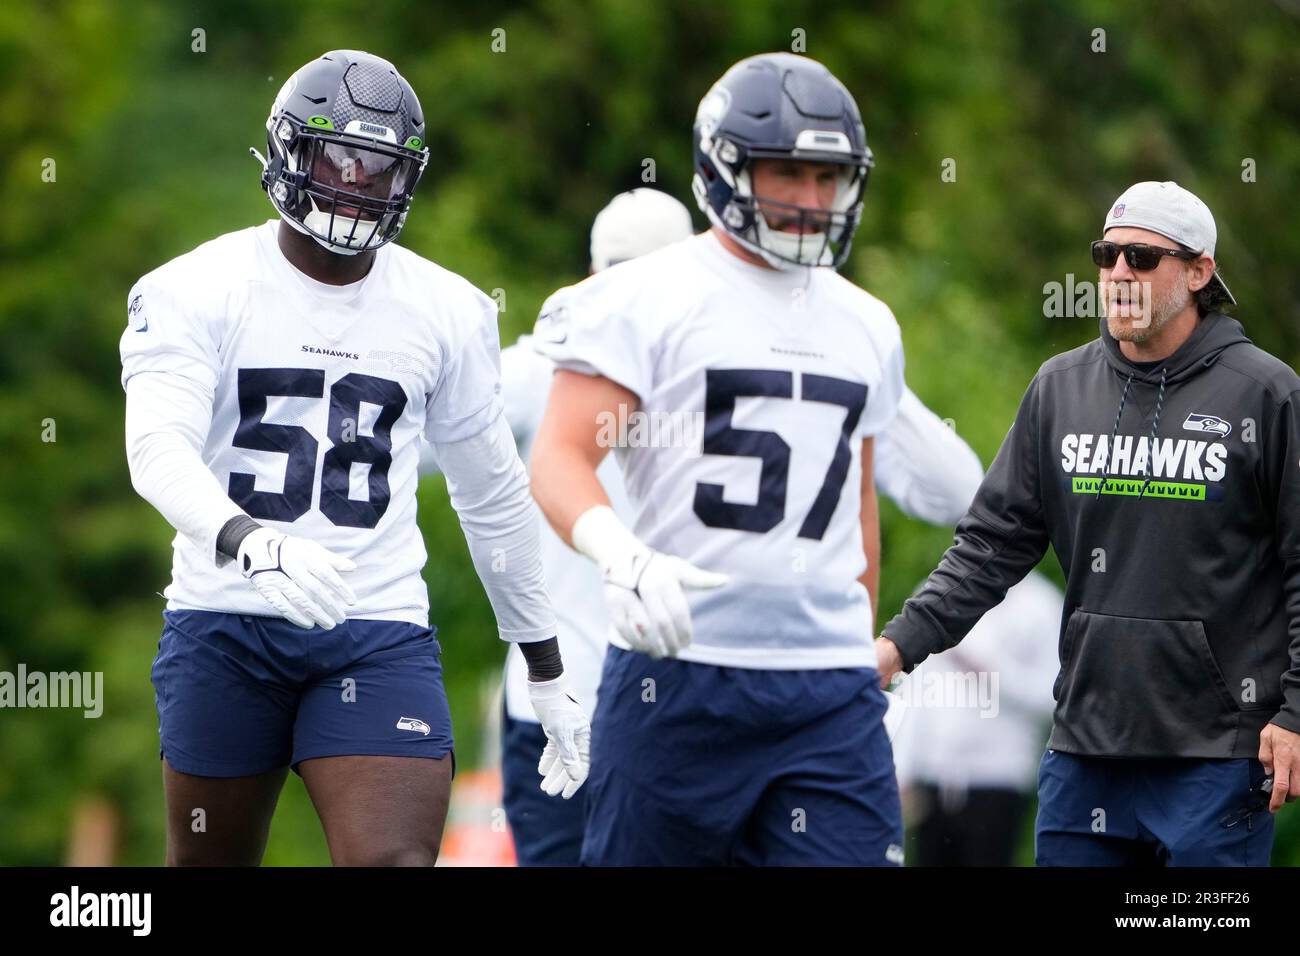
(127, 147)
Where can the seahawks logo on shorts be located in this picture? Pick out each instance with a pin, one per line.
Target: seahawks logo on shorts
(413, 723)
(1213, 424)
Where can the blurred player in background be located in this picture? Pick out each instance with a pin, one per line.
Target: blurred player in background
(546, 831)
(278, 380)
(740, 719)
(968, 750)
(967, 770)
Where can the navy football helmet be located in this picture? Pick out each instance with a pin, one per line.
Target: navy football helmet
(345, 150)
(780, 106)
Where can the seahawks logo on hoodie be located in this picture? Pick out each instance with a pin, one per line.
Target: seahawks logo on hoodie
(1213, 424)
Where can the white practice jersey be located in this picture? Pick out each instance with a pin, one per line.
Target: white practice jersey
(572, 580)
(756, 389)
(924, 466)
(319, 395)
(920, 462)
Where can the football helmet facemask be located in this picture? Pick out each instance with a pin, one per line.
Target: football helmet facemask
(345, 151)
(780, 106)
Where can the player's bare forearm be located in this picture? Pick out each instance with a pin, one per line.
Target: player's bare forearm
(870, 525)
(567, 452)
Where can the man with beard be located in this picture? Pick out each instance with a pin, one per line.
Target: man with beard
(1162, 463)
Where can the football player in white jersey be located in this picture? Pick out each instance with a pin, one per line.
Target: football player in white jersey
(920, 462)
(278, 380)
(740, 719)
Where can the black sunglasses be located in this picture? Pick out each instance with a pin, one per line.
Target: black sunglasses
(1139, 256)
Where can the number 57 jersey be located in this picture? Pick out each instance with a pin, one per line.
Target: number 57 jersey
(756, 389)
(318, 398)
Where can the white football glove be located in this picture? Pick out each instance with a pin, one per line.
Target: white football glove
(567, 756)
(643, 587)
(297, 577)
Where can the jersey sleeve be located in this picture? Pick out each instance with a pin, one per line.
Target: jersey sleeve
(170, 366)
(166, 334)
(594, 328)
(167, 421)
(882, 401)
(467, 396)
(924, 466)
(488, 488)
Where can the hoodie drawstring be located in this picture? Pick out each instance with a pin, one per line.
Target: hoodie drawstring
(1151, 442)
(1155, 423)
(1110, 446)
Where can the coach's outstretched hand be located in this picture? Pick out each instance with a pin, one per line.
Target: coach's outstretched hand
(888, 661)
(298, 577)
(567, 756)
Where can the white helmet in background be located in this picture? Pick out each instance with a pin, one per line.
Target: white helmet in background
(634, 223)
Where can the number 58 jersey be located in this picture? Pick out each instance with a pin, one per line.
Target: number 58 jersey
(319, 395)
(756, 389)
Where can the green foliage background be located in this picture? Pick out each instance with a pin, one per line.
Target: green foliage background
(150, 143)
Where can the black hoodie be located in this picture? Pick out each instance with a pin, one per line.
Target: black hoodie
(1181, 630)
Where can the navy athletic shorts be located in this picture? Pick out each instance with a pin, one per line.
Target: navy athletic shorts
(698, 765)
(1102, 811)
(240, 695)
